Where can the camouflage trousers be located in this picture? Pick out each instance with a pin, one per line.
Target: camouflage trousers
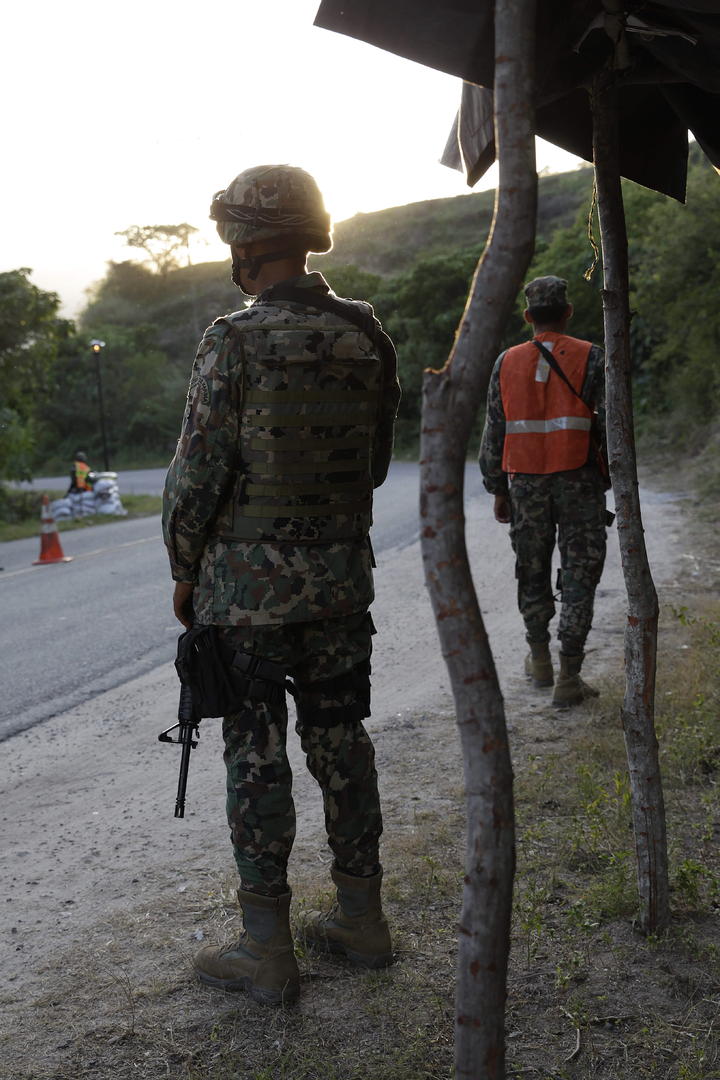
(569, 506)
(329, 664)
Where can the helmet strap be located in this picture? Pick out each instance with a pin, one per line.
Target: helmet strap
(255, 262)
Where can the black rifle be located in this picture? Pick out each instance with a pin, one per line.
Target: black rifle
(187, 726)
(215, 682)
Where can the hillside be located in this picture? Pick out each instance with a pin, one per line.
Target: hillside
(389, 241)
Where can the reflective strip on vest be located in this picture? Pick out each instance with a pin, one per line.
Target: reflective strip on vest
(557, 423)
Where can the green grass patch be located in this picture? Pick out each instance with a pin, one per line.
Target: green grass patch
(20, 513)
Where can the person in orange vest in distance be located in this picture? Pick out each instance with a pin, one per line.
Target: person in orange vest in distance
(544, 459)
(81, 475)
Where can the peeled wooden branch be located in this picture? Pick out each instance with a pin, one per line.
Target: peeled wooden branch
(451, 399)
(638, 709)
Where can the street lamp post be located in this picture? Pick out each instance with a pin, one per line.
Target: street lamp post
(96, 346)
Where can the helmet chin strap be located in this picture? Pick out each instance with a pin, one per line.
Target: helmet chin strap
(255, 262)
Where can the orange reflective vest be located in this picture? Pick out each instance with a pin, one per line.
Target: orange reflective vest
(82, 469)
(547, 427)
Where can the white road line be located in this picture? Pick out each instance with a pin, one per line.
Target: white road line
(85, 555)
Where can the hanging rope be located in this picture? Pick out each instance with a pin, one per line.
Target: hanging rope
(591, 235)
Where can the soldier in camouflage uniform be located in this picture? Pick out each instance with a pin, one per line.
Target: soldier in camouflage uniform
(287, 430)
(543, 458)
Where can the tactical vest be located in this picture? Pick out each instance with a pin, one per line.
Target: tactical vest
(547, 426)
(310, 398)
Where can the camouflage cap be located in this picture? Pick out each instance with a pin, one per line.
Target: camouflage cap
(270, 201)
(547, 291)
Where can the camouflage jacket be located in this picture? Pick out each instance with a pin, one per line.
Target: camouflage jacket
(493, 436)
(243, 582)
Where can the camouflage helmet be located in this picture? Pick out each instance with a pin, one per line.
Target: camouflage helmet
(269, 202)
(550, 291)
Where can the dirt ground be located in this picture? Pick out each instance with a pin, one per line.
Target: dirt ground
(105, 895)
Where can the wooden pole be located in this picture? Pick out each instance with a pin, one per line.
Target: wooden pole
(451, 399)
(638, 709)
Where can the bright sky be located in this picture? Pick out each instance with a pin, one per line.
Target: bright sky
(136, 113)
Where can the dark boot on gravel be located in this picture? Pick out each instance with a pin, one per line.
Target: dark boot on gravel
(538, 665)
(356, 926)
(262, 962)
(570, 688)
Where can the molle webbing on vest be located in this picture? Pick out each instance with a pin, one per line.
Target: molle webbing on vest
(302, 444)
(310, 402)
(267, 397)
(304, 420)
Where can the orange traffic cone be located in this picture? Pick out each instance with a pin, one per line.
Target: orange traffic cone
(50, 548)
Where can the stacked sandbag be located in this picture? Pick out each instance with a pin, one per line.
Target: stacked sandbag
(107, 494)
(103, 499)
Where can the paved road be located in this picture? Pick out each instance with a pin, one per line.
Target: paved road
(73, 630)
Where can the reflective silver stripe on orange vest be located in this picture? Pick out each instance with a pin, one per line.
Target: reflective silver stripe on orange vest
(542, 427)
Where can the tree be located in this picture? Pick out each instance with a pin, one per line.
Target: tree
(29, 334)
(569, 255)
(143, 395)
(677, 281)
(451, 398)
(161, 243)
(421, 309)
(638, 707)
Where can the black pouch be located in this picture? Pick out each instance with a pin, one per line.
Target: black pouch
(312, 698)
(200, 666)
(221, 679)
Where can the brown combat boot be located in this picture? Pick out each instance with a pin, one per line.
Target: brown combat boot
(356, 926)
(570, 689)
(538, 665)
(263, 960)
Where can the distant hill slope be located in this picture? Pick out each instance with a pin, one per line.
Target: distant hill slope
(180, 304)
(388, 241)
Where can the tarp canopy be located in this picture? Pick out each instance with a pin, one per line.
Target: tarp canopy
(669, 82)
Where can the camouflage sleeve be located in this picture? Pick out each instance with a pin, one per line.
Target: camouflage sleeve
(390, 399)
(593, 393)
(493, 437)
(206, 456)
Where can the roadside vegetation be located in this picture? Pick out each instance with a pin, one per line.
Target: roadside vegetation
(414, 263)
(20, 512)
